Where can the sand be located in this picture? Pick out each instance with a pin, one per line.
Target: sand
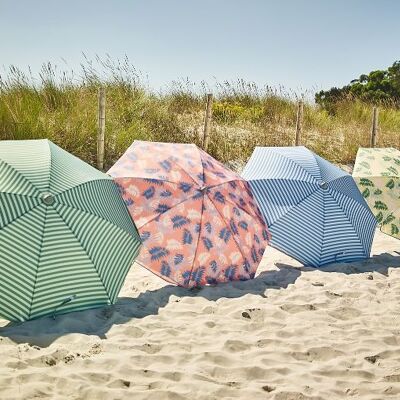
(293, 333)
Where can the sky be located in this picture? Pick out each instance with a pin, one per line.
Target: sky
(304, 45)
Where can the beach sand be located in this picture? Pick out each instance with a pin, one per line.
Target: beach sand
(293, 333)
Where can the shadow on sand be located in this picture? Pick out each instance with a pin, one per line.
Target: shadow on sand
(44, 331)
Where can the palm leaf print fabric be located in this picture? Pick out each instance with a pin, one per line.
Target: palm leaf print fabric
(197, 220)
(377, 173)
(66, 238)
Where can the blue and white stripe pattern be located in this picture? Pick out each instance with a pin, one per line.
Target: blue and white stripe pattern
(313, 209)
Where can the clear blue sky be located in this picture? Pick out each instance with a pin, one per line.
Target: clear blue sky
(301, 44)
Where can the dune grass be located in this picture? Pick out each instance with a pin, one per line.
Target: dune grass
(62, 106)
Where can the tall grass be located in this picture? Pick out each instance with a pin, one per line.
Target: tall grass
(62, 106)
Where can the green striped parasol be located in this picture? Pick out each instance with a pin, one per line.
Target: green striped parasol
(66, 238)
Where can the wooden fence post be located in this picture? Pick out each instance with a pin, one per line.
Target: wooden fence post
(299, 122)
(207, 121)
(374, 127)
(101, 128)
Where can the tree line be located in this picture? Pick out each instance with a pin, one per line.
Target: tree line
(377, 87)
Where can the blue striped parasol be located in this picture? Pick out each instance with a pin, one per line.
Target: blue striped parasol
(313, 209)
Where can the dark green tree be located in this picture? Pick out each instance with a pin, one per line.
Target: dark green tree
(376, 87)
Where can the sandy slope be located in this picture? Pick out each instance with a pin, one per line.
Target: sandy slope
(291, 334)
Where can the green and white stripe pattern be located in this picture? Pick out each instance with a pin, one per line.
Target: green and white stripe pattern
(66, 238)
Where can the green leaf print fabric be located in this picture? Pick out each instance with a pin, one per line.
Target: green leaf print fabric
(377, 174)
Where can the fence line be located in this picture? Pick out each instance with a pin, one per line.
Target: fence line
(207, 125)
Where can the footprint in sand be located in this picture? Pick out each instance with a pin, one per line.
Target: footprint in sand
(119, 384)
(296, 308)
(392, 340)
(392, 390)
(48, 360)
(332, 295)
(294, 396)
(150, 348)
(317, 354)
(236, 345)
(392, 378)
(253, 313)
(268, 388)
(133, 332)
(344, 313)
